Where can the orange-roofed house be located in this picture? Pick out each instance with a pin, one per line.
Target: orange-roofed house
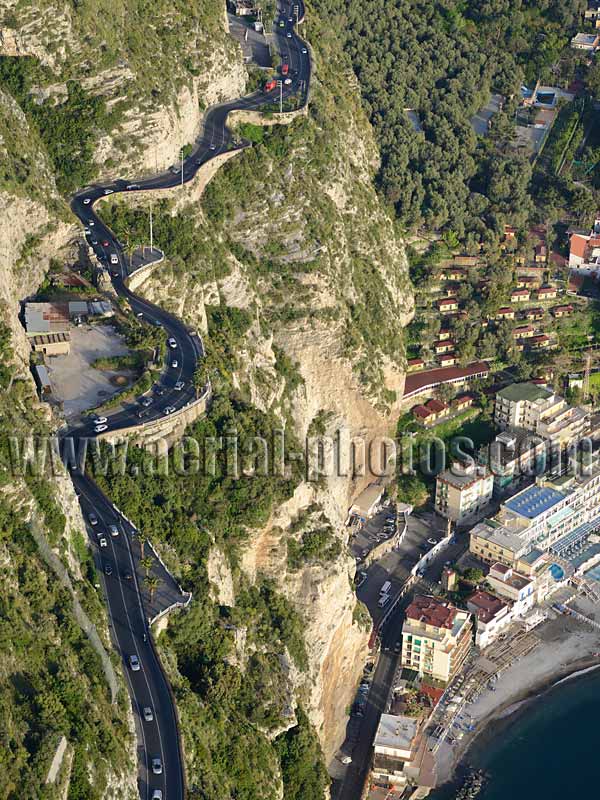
(505, 313)
(520, 296)
(562, 311)
(547, 293)
(447, 304)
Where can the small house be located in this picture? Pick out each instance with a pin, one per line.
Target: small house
(447, 360)
(562, 311)
(505, 313)
(520, 296)
(414, 364)
(547, 293)
(447, 304)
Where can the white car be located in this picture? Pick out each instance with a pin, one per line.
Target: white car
(174, 363)
(114, 258)
(114, 531)
(133, 186)
(102, 541)
(86, 201)
(304, 50)
(179, 386)
(134, 663)
(169, 410)
(87, 231)
(172, 343)
(431, 541)
(91, 223)
(108, 191)
(100, 420)
(157, 765)
(100, 428)
(289, 35)
(287, 81)
(148, 715)
(157, 794)
(92, 518)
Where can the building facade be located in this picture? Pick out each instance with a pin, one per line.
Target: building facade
(436, 638)
(463, 491)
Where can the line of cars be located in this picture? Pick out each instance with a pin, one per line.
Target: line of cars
(147, 715)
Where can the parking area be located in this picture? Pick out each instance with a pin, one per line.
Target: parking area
(253, 43)
(75, 383)
(376, 530)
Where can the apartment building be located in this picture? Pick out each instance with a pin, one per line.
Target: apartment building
(538, 409)
(436, 638)
(518, 589)
(395, 749)
(492, 615)
(463, 490)
(552, 514)
(514, 456)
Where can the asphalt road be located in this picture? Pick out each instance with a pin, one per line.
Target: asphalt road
(148, 686)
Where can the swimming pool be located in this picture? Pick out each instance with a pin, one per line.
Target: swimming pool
(558, 573)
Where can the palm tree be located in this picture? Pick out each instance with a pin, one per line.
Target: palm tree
(147, 563)
(152, 582)
(142, 538)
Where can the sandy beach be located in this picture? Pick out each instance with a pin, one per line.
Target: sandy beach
(566, 647)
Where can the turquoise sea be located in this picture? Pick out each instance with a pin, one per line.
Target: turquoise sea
(548, 750)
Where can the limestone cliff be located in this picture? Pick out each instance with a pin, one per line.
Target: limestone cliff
(291, 230)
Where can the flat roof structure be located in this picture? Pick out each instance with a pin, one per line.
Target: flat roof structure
(519, 392)
(396, 733)
(428, 379)
(533, 501)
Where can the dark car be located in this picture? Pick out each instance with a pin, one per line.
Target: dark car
(108, 570)
(127, 575)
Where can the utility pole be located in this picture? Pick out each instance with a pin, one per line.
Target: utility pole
(151, 232)
(280, 84)
(296, 12)
(182, 164)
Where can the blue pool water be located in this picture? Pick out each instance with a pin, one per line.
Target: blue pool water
(557, 572)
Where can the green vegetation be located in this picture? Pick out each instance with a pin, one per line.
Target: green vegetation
(443, 61)
(302, 767)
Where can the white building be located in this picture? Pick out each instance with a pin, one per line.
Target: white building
(492, 616)
(463, 490)
(394, 749)
(512, 586)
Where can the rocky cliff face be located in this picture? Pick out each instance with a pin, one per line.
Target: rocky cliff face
(293, 232)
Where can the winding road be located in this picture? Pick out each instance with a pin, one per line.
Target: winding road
(158, 738)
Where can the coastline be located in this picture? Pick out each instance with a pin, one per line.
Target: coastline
(540, 672)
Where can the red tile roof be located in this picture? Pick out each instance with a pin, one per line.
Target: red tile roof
(433, 377)
(547, 290)
(432, 612)
(415, 362)
(578, 245)
(421, 411)
(505, 310)
(488, 605)
(435, 405)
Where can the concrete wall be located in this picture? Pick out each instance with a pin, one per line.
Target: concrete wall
(172, 425)
(141, 273)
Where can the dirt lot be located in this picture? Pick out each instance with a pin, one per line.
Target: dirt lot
(74, 381)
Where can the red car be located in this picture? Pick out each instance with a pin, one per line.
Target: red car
(105, 244)
(285, 68)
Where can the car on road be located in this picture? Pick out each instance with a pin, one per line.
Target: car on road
(345, 759)
(102, 541)
(157, 765)
(174, 363)
(87, 231)
(105, 243)
(364, 553)
(431, 540)
(94, 241)
(148, 715)
(146, 401)
(172, 342)
(143, 413)
(91, 223)
(159, 390)
(289, 35)
(108, 570)
(287, 81)
(290, 19)
(304, 50)
(282, 23)
(134, 662)
(213, 147)
(133, 186)
(100, 420)
(175, 169)
(157, 794)
(360, 578)
(127, 575)
(86, 201)
(93, 519)
(179, 386)
(114, 259)
(100, 428)
(108, 191)
(114, 531)
(169, 410)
